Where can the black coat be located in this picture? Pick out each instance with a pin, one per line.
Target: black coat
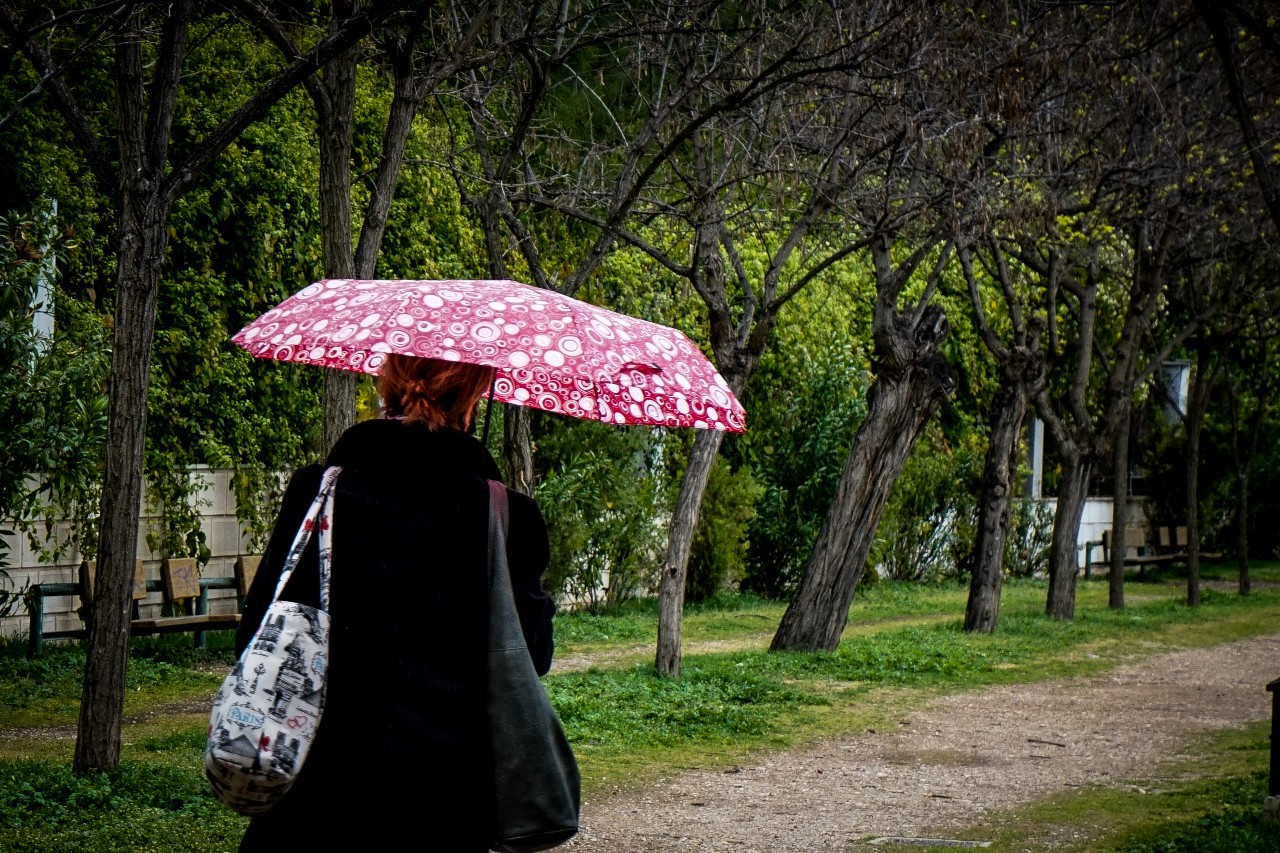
(401, 748)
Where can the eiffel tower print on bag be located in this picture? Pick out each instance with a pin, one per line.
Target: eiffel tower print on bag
(266, 713)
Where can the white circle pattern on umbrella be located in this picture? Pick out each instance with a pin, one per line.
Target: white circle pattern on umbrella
(552, 352)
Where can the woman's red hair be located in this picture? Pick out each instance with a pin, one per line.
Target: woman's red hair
(431, 391)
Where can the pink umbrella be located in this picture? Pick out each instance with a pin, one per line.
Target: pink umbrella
(551, 352)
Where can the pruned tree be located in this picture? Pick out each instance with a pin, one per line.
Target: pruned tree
(143, 176)
(1150, 134)
(773, 181)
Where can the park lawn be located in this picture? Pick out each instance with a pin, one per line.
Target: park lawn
(628, 727)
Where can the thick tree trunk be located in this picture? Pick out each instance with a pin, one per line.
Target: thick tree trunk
(1063, 560)
(1119, 511)
(899, 404)
(1242, 530)
(517, 435)
(142, 245)
(684, 522)
(1008, 410)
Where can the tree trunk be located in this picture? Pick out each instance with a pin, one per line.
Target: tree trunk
(334, 97)
(143, 237)
(684, 522)
(1063, 560)
(142, 217)
(1119, 511)
(339, 405)
(899, 404)
(517, 435)
(1194, 422)
(1008, 410)
(1242, 530)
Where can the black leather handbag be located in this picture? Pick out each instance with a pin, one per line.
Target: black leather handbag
(535, 776)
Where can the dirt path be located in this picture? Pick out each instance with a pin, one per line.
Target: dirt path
(948, 765)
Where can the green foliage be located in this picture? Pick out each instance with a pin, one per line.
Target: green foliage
(1026, 550)
(928, 524)
(803, 407)
(718, 557)
(52, 397)
(1237, 826)
(602, 497)
(46, 689)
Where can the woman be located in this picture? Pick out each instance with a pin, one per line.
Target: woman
(401, 753)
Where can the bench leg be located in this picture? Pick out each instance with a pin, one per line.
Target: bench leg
(202, 607)
(35, 637)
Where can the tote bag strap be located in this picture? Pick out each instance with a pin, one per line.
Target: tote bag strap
(502, 605)
(319, 515)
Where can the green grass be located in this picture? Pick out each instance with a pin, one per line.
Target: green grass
(46, 690)
(141, 806)
(904, 645)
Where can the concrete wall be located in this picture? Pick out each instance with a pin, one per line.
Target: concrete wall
(223, 533)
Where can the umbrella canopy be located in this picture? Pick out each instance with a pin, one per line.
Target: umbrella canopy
(551, 352)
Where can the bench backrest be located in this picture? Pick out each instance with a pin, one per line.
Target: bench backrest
(246, 568)
(88, 572)
(1171, 535)
(1136, 539)
(181, 578)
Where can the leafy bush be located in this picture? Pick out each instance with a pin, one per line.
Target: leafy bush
(718, 557)
(796, 445)
(53, 411)
(928, 524)
(602, 495)
(1026, 551)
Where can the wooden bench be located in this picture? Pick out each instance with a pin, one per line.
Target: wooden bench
(1143, 558)
(185, 605)
(1173, 540)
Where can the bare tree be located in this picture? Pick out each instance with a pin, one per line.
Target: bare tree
(143, 183)
(778, 178)
(943, 144)
(679, 159)
(1023, 369)
(422, 51)
(1255, 369)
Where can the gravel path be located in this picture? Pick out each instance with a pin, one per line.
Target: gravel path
(948, 765)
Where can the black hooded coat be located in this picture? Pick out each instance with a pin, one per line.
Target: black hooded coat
(402, 750)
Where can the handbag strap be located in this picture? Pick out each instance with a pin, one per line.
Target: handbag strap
(319, 515)
(504, 621)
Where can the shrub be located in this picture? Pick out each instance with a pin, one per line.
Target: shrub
(928, 523)
(602, 497)
(718, 558)
(1026, 551)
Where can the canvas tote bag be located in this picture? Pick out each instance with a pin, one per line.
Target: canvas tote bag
(536, 780)
(266, 712)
